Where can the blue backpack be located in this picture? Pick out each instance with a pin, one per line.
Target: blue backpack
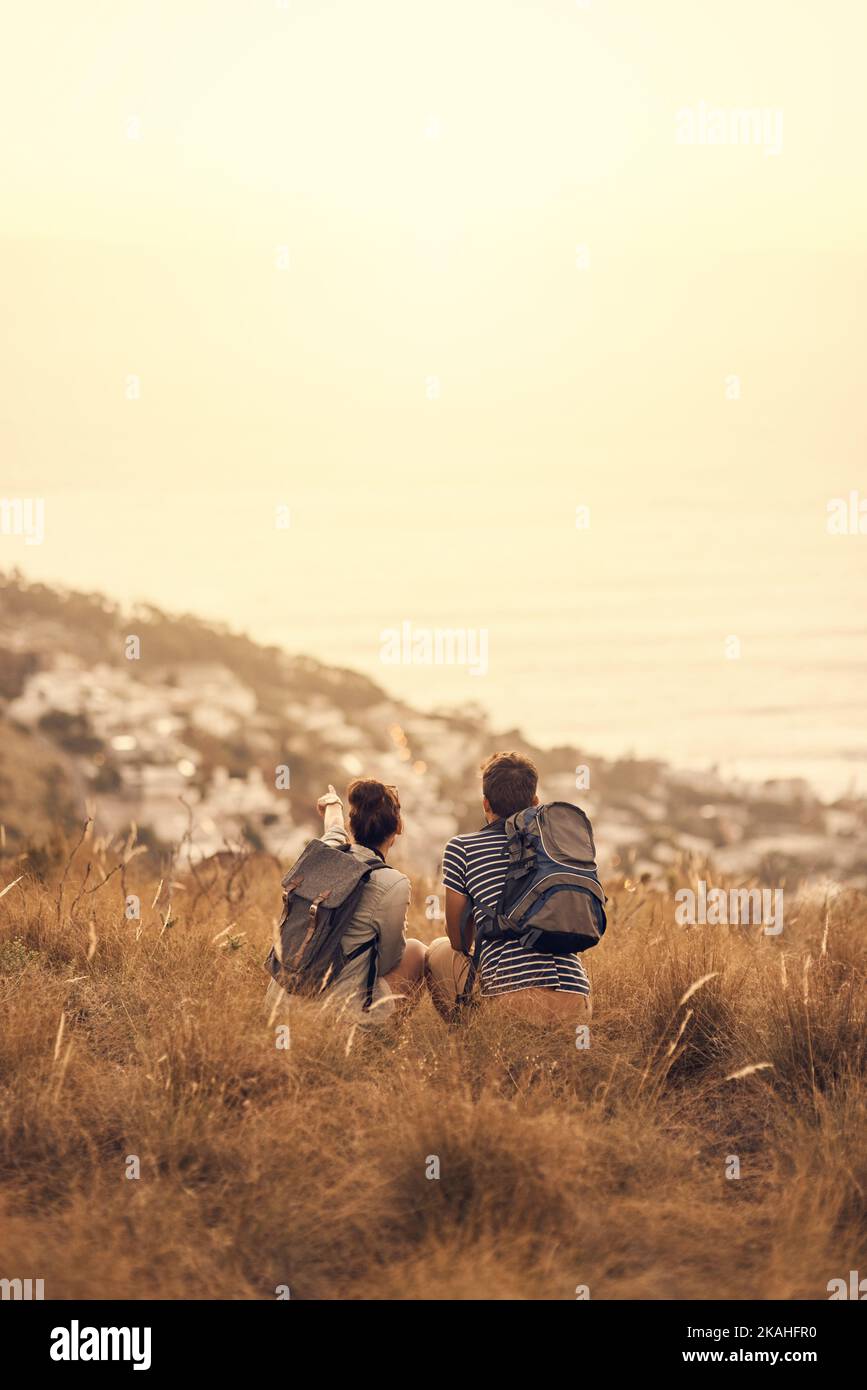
(552, 900)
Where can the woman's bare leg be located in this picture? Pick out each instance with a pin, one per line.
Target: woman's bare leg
(405, 979)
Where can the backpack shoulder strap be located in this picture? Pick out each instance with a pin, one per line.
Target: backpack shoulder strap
(485, 931)
(371, 946)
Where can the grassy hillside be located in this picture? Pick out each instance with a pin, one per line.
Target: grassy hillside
(306, 1167)
(38, 785)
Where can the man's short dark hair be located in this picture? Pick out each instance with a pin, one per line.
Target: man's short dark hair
(509, 782)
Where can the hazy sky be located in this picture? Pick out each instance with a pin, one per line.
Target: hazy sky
(432, 276)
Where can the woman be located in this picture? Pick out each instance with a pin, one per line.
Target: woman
(374, 824)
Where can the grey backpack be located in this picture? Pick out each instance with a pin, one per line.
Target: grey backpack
(320, 895)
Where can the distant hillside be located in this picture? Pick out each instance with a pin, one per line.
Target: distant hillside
(200, 734)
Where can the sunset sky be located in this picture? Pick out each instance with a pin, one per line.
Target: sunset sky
(432, 276)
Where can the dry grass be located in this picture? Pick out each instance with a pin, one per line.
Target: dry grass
(306, 1167)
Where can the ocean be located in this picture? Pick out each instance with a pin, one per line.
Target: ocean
(759, 684)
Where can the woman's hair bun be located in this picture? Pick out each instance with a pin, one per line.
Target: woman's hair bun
(374, 812)
(366, 792)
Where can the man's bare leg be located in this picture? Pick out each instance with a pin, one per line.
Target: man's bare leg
(445, 974)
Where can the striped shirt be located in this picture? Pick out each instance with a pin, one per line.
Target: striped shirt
(475, 865)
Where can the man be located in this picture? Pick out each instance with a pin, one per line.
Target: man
(474, 869)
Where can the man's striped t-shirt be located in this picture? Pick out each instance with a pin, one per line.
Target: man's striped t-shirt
(475, 865)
